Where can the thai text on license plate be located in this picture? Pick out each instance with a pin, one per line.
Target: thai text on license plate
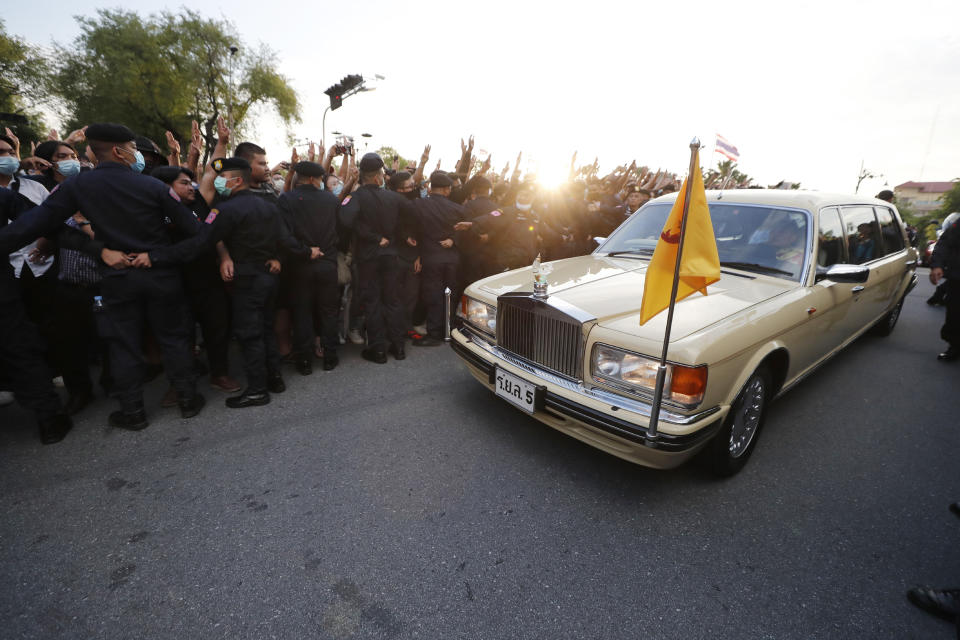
(516, 390)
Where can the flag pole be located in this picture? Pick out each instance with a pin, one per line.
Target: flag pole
(662, 368)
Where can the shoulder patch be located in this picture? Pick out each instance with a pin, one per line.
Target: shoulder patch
(346, 201)
(211, 216)
(173, 194)
(496, 212)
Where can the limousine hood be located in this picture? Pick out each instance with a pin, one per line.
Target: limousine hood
(611, 288)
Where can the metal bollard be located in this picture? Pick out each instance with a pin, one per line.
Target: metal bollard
(446, 308)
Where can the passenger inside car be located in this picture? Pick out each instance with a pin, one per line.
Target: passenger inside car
(862, 245)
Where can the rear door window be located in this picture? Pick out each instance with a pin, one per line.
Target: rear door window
(863, 234)
(890, 231)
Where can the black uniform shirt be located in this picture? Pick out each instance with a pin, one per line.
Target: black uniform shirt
(127, 210)
(250, 227)
(436, 216)
(946, 253)
(373, 213)
(311, 216)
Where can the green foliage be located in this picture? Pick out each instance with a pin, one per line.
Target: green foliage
(388, 154)
(951, 201)
(156, 74)
(22, 80)
(726, 176)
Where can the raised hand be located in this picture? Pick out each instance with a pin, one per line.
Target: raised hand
(53, 135)
(16, 143)
(294, 157)
(172, 144)
(463, 147)
(196, 138)
(438, 166)
(470, 144)
(33, 163)
(223, 133)
(77, 136)
(312, 152)
(425, 155)
(485, 166)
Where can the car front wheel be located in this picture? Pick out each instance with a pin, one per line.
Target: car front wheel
(889, 321)
(737, 439)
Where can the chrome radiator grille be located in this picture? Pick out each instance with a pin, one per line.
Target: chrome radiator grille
(540, 334)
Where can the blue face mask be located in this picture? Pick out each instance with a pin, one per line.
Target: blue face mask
(138, 163)
(8, 165)
(220, 184)
(337, 190)
(68, 168)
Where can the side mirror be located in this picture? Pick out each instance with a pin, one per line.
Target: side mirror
(597, 241)
(844, 273)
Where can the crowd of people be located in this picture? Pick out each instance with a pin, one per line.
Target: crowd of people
(130, 261)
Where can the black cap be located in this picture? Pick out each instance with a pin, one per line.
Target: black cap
(886, 194)
(230, 164)
(166, 174)
(370, 162)
(439, 180)
(309, 169)
(109, 132)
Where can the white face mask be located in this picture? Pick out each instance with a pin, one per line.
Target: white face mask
(523, 207)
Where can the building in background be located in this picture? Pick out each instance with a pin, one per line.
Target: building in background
(924, 197)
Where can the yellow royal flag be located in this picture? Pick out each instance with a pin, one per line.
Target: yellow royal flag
(699, 264)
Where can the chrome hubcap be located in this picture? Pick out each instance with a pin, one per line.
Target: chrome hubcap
(747, 418)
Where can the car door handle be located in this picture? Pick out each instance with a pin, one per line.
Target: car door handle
(857, 289)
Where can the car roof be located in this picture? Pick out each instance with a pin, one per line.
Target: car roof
(810, 200)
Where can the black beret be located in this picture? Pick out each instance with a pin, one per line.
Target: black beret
(109, 132)
(230, 164)
(309, 169)
(370, 162)
(439, 180)
(166, 174)
(146, 145)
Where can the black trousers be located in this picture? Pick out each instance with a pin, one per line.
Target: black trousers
(254, 304)
(23, 367)
(436, 278)
(137, 297)
(76, 337)
(211, 309)
(951, 325)
(316, 304)
(409, 292)
(379, 292)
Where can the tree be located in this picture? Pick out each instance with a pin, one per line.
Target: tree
(159, 73)
(22, 81)
(726, 176)
(951, 201)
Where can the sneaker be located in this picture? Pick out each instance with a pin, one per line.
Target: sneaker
(428, 341)
(421, 329)
(354, 336)
(951, 354)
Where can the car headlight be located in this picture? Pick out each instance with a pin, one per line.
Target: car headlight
(682, 385)
(477, 314)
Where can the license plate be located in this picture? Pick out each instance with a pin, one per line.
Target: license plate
(516, 390)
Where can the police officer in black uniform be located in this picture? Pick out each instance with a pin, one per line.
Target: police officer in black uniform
(945, 262)
(251, 230)
(523, 235)
(380, 220)
(128, 212)
(310, 214)
(24, 369)
(439, 219)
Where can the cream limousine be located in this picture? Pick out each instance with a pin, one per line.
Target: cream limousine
(802, 275)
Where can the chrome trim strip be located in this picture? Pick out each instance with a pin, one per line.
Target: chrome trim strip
(602, 395)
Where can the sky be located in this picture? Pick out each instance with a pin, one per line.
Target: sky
(807, 91)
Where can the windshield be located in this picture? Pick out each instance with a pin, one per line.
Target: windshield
(761, 239)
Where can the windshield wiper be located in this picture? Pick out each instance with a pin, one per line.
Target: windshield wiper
(635, 252)
(753, 266)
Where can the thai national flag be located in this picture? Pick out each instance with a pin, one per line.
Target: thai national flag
(723, 146)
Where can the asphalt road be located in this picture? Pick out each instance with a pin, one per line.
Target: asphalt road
(405, 501)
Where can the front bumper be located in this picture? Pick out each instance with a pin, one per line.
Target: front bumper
(602, 419)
